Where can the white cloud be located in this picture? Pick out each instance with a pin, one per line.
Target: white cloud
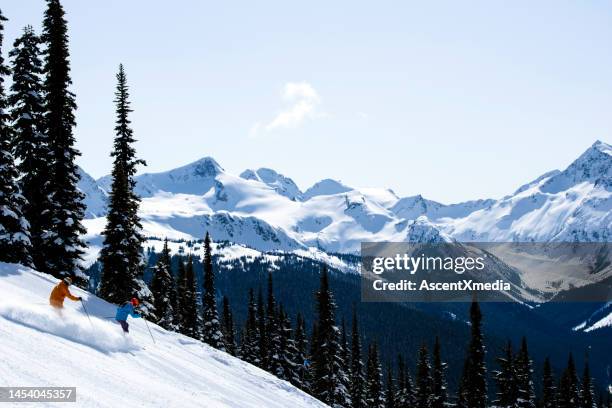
(302, 101)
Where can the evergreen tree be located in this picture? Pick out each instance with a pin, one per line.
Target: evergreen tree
(329, 378)
(406, 397)
(524, 381)
(32, 151)
(63, 247)
(439, 378)
(288, 350)
(249, 345)
(15, 242)
(357, 380)
(301, 355)
(390, 392)
(549, 397)
(374, 386)
(262, 340)
(164, 291)
(474, 383)
(121, 255)
(229, 332)
(211, 331)
(181, 282)
(273, 359)
(506, 379)
(188, 303)
(569, 394)
(424, 382)
(588, 394)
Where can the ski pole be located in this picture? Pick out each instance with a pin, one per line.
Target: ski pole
(85, 309)
(151, 334)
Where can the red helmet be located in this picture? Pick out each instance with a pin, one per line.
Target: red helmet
(134, 301)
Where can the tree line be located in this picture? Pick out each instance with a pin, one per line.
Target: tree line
(41, 206)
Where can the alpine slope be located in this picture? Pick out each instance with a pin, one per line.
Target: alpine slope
(41, 347)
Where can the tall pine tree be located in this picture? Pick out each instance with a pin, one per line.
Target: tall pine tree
(357, 379)
(211, 330)
(506, 379)
(569, 391)
(164, 291)
(424, 382)
(549, 390)
(438, 377)
(588, 393)
(329, 378)
(121, 255)
(15, 242)
(188, 302)
(524, 381)
(474, 380)
(63, 247)
(31, 148)
(249, 344)
(229, 332)
(374, 385)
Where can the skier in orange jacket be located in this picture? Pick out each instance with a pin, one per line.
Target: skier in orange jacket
(60, 292)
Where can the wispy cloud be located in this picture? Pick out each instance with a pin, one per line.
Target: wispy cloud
(301, 100)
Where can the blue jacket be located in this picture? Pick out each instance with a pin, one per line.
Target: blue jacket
(124, 311)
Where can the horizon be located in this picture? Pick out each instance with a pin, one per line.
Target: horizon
(304, 189)
(366, 98)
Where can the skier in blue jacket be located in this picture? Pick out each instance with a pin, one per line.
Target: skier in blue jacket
(125, 310)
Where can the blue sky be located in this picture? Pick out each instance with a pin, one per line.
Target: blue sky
(452, 100)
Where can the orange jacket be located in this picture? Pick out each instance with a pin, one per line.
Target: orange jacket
(59, 293)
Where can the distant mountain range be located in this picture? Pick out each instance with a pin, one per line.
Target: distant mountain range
(267, 211)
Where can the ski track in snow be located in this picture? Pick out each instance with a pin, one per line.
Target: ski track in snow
(110, 370)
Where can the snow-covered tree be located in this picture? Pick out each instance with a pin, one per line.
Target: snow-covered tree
(249, 344)
(588, 394)
(229, 331)
(329, 378)
(31, 148)
(63, 245)
(405, 397)
(569, 388)
(301, 356)
(390, 392)
(439, 378)
(290, 369)
(164, 291)
(14, 229)
(272, 360)
(121, 256)
(211, 330)
(506, 379)
(357, 379)
(424, 382)
(262, 341)
(524, 380)
(374, 384)
(549, 390)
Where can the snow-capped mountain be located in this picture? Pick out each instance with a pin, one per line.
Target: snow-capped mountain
(95, 195)
(267, 211)
(281, 184)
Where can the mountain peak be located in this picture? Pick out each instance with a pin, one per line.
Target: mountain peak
(326, 187)
(602, 147)
(205, 167)
(281, 184)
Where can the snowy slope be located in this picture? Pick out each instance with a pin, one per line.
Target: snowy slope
(111, 370)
